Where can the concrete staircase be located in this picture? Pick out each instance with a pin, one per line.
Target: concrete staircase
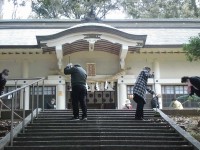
(104, 130)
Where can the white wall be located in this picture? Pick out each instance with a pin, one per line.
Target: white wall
(40, 65)
(172, 65)
(11, 62)
(106, 63)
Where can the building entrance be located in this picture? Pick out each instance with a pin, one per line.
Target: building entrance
(95, 99)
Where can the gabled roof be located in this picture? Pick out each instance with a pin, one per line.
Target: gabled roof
(160, 32)
(104, 38)
(93, 28)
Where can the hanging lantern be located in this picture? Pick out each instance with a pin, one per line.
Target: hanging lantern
(97, 86)
(106, 85)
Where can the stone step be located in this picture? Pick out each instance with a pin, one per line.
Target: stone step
(96, 113)
(99, 142)
(147, 118)
(95, 133)
(101, 121)
(109, 126)
(92, 118)
(104, 130)
(99, 130)
(77, 138)
(65, 124)
(86, 123)
(96, 110)
(64, 133)
(103, 147)
(139, 129)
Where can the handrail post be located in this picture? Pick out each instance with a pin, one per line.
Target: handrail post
(23, 122)
(15, 100)
(14, 96)
(43, 96)
(32, 108)
(12, 118)
(37, 100)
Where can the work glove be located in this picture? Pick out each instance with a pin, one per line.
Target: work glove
(70, 65)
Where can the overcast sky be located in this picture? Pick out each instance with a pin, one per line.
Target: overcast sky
(24, 12)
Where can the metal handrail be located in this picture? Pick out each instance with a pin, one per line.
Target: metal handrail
(12, 102)
(18, 89)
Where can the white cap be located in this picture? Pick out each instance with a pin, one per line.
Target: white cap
(69, 65)
(128, 102)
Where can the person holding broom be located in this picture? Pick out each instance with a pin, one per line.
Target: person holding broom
(139, 91)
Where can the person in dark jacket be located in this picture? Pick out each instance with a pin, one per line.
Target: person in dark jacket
(51, 104)
(193, 84)
(79, 91)
(154, 102)
(139, 91)
(3, 80)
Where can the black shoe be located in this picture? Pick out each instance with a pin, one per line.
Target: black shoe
(74, 119)
(84, 118)
(139, 119)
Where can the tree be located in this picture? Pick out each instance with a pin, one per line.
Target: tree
(161, 8)
(72, 9)
(1, 8)
(16, 4)
(192, 49)
(47, 8)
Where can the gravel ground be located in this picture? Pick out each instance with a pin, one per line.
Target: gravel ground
(5, 127)
(190, 123)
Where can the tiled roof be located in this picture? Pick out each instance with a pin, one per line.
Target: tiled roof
(172, 32)
(154, 36)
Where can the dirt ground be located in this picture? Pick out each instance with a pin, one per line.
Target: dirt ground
(190, 123)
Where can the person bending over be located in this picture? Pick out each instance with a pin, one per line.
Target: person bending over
(79, 90)
(193, 84)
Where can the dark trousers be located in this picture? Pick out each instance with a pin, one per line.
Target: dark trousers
(79, 95)
(140, 105)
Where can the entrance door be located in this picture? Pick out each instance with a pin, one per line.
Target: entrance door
(49, 93)
(95, 99)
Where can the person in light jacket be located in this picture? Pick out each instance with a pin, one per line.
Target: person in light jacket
(128, 105)
(139, 91)
(79, 90)
(176, 104)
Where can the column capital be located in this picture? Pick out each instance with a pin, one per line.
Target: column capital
(156, 68)
(59, 54)
(122, 95)
(122, 55)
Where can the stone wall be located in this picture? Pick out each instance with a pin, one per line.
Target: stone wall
(183, 112)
